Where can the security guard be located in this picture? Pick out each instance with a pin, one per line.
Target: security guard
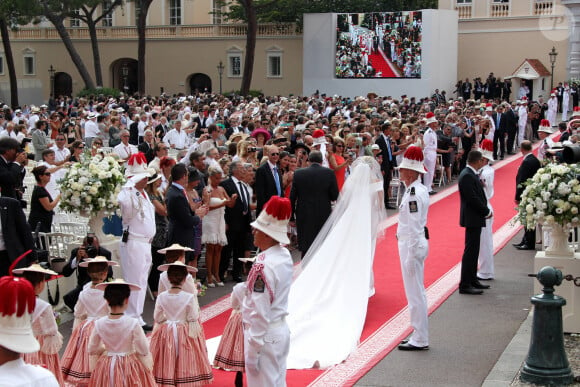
(412, 235)
(265, 304)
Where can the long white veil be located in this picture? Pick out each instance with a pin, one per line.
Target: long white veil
(328, 300)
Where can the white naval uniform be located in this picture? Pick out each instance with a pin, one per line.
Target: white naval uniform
(522, 122)
(552, 110)
(19, 374)
(430, 152)
(264, 309)
(413, 250)
(138, 216)
(486, 175)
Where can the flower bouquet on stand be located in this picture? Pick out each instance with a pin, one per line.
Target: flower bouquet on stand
(90, 188)
(551, 198)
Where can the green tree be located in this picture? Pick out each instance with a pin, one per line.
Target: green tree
(86, 10)
(56, 11)
(143, 10)
(12, 14)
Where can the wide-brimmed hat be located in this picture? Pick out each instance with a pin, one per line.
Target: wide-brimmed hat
(273, 220)
(413, 159)
(18, 302)
(34, 109)
(430, 118)
(375, 147)
(36, 268)
(545, 127)
(116, 282)
(154, 178)
(174, 247)
(486, 149)
(98, 259)
(301, 145)
(165, 267)
(92, 115)
(261, 131)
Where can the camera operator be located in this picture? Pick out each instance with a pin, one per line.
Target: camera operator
(88, 249)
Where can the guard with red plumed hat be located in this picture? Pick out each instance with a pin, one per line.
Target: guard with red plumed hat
(412, 236)
(265, 304)
(486, 176)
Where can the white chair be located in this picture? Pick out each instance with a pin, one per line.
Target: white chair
(395, 189)
(440, 171)
(78, 229)
(107, 150)
(59, 246)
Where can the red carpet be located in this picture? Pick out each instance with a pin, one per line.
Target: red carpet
(446, 248)
(377, 60)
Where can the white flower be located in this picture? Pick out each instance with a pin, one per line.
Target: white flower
(529, 209)
(559, 211)
(546, 177)
(574, 210)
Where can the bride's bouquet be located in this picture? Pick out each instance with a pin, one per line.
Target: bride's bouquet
(551, 197)
(92, 186)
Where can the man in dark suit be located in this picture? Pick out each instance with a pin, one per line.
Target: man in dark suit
(181, 218)
(313, 190)
(11, 167)
(500, 133)
(472, 216)
(238, 220)
(148, 145)
(511, 121)
(268, 179)
(134, 131)
(387, 163)
(15, 236)
(527, 170)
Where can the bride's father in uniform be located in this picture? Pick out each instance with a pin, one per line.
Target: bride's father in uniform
(313, 190)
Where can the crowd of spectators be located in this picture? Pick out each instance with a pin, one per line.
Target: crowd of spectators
(208, 133)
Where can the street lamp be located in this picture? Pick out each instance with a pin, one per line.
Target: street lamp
(51, 71)
(125, 74)
(553, 54)
(220, 68)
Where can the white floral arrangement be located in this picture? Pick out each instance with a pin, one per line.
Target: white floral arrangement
(92, 186)
(551, 197)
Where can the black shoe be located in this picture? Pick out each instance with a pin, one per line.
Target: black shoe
(525, 247)
(511, 153)
(484, 279)
(147, 327)
(432, 193)
(478, 285)
(470, 290)
(238, 279)
(411, 347)
(501, 157)
(391, 208)
(516, 245)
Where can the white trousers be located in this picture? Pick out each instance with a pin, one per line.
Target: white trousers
(486, 251)
(272, 358)
(413, 253)
(136, 263)
(430, 162)
(521, 132)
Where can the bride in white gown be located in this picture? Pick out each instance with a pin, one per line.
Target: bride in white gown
(327, 305)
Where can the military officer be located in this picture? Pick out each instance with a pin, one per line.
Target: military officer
(412, 238)
(265, 304)
(486, 176)
(138, 216)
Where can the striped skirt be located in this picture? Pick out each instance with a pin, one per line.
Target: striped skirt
(178, 359)
(114, 370)
(50, 362)
(75, 361)
(230, 352)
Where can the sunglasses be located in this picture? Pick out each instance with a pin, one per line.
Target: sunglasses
(46, 173)
(274, 154)
(81, 147)
(339, 146)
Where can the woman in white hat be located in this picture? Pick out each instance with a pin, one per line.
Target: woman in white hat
(118, 342)
(17, 337)
(90, 306)
(44, 324)
(178, 343)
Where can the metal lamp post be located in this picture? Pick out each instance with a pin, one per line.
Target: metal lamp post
(51, 71)
(125, 74)
(220, 68)
(553, 54)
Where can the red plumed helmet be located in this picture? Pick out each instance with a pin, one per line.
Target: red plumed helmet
(278, 208)
(318, 133)
(545, 123)
(413, 159)
(137, 158)
(273, 220)
(414, 153)
(487, 145)
(429, 115)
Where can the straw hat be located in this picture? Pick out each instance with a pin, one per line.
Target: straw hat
(273, 220)
(165, 267)
(35, 267)
(98, 259)
(486, 149)
(413, 159)
(154, 178)
(18, 302)
(545, 127)
(174, 247)
(118, 281)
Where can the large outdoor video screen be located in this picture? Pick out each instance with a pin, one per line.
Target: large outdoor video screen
(378, 45)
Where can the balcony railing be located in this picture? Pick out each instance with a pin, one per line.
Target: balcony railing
(464, 10)
(159, 32)
(545, 7)
(499, 10)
